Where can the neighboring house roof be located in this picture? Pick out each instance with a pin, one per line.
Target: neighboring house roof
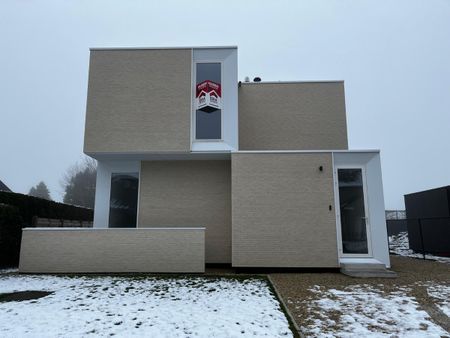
(3, 187)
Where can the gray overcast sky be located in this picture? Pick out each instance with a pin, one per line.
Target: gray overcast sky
(393, 55)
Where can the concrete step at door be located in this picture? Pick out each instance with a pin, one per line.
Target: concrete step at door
(367, 270)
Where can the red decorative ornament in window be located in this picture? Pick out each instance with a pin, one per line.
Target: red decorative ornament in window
(208, 96)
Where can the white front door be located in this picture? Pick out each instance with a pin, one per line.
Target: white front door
(353, 217)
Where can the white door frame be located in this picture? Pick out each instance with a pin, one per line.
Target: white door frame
(338, 211)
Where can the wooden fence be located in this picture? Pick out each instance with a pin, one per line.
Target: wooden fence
(39, 222)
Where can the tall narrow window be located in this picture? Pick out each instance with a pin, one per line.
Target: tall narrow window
(208, 114)
(353, 213)
(123, 200)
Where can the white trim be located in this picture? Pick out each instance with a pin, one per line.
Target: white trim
(200, 154)
(199, 151)
(191, 129)
(305, 151)
(210, 139)
(336, 207)
(113, 229)
(163, 48)
(375, 199)
(143, 153)
(105, 169)
(229, 115)
(292, 82)
(366, 212)
(139, 194)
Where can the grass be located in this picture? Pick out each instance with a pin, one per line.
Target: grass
(23, 295)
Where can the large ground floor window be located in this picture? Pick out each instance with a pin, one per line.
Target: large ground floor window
(123, 200)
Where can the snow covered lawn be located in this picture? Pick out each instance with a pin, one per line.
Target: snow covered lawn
(399, 245)
(141, 306)
(441, 295)
(367, 311)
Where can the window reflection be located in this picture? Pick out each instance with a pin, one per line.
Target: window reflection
(123, 200)
(353, 215)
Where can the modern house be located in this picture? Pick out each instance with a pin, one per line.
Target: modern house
(195, 168)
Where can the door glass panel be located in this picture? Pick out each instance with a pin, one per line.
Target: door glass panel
(123, 200)
(353, 215)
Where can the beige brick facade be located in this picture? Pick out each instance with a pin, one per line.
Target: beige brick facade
(138, 101)
(292, 116)
(48, 250)
(281, 213)
(184, 193)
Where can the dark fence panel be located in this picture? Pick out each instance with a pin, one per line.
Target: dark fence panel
(431, 203)
(395, 226)
(30, 206)
(40, 222)
(429, 235)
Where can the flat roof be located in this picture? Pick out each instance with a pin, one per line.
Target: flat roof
(210, 47)
(114, 229)
(445, 187)
(306, 151)
(156, 48)
(291, 82)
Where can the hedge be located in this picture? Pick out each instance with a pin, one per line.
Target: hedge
(17, 211)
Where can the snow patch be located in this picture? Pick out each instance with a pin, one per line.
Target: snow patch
(441, 294)
(141, 306)
(364, 311)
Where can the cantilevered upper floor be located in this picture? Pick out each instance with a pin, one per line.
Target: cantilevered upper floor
(188, 100)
